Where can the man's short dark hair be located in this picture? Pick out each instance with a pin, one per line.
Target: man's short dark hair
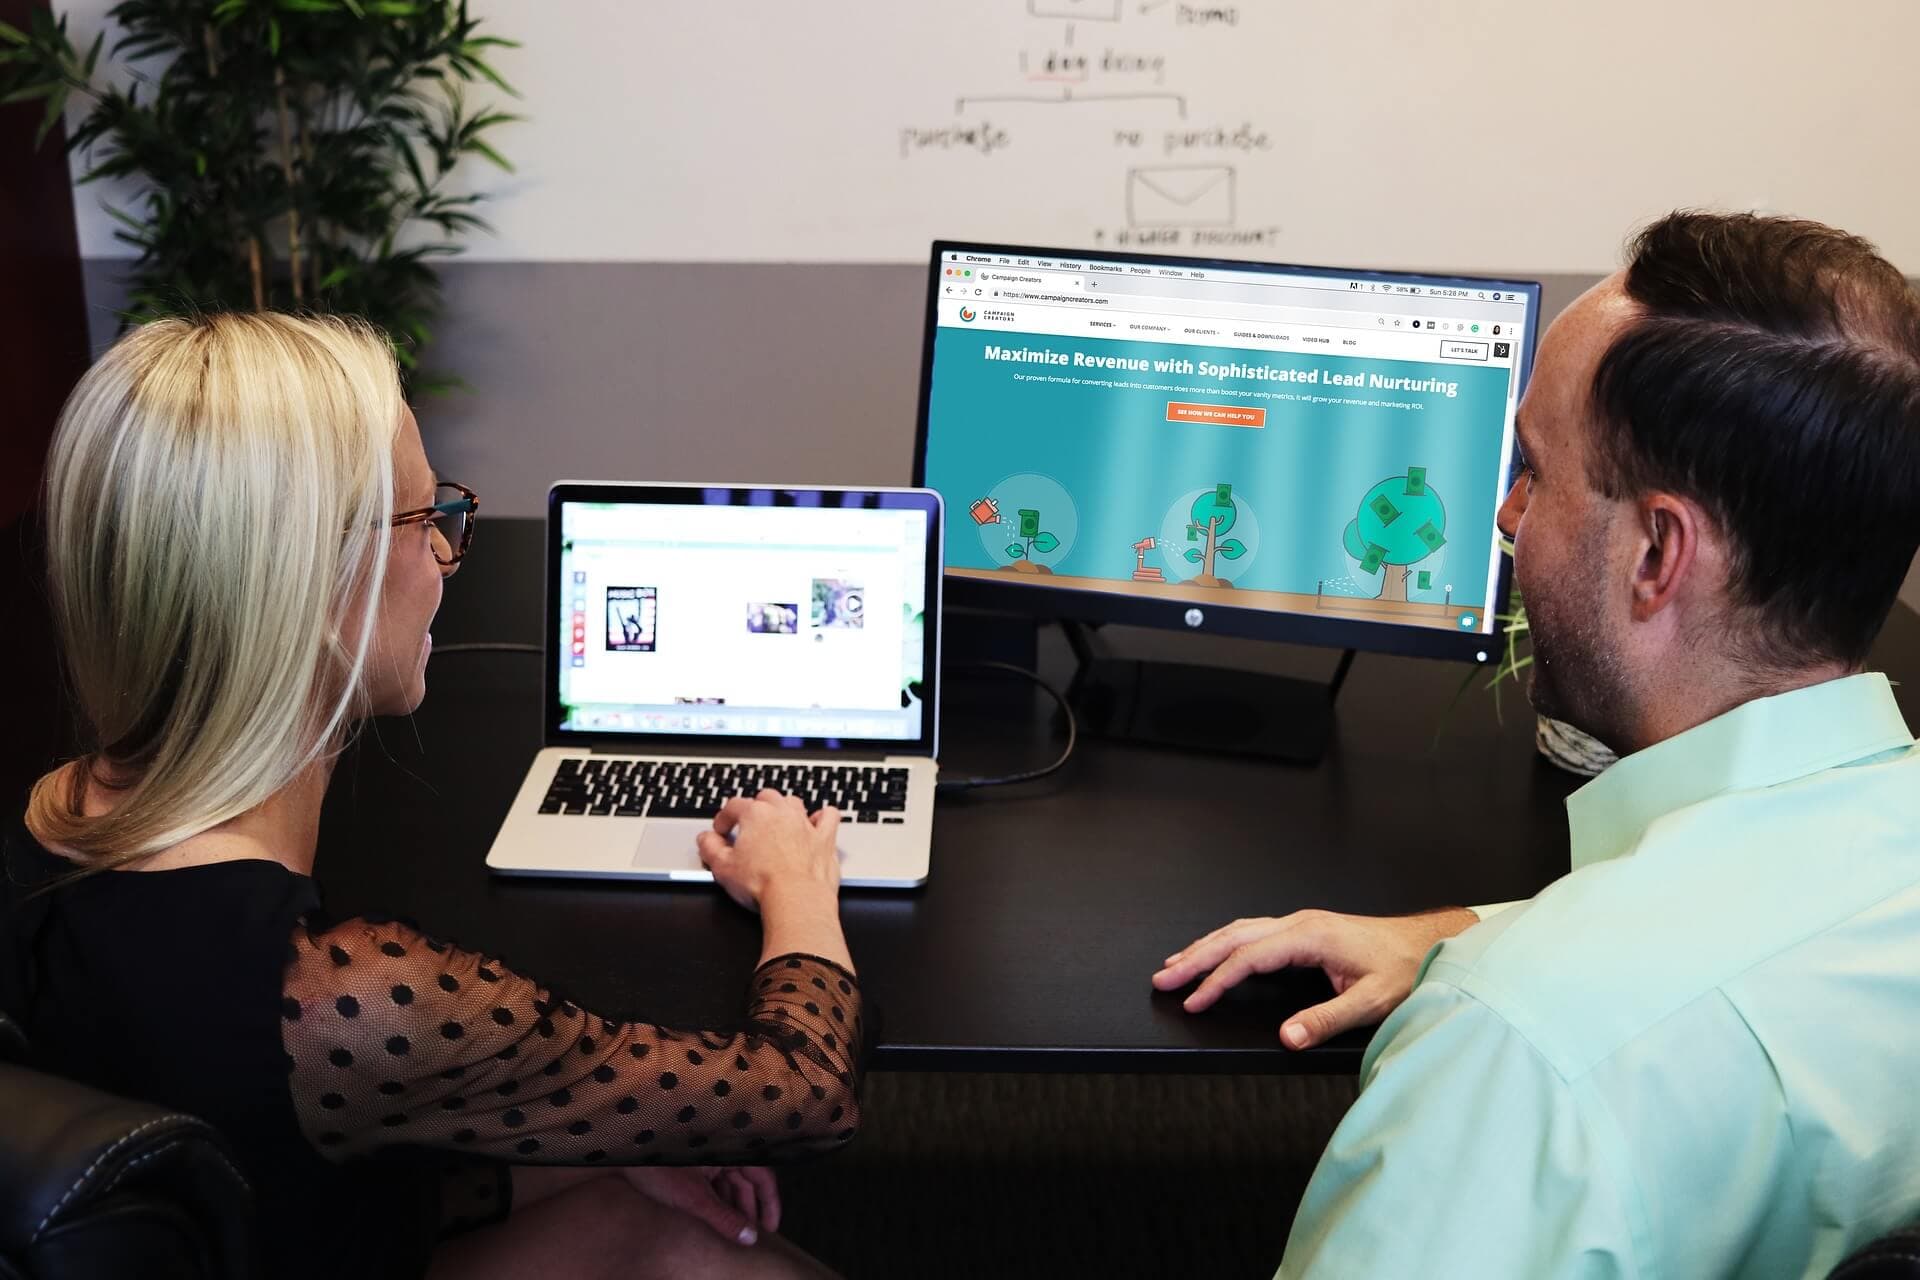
(1773, 376)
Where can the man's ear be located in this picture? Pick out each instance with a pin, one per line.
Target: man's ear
(1671, 533)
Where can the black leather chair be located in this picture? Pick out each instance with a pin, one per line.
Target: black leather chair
(97, 1186)
(1894, 1257)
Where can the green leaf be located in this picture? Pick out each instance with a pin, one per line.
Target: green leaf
(122, 216)
(93, 56)
(308, 6)
(273, 36)
(44, 89)
(1232, 549)
(474, 144)
(1046, 542)
(1017, 551)
(412, 162)
(488, 120)
(499, 82)
(439, 384)
(12, 34)
(227, 10)
(118, 167)
(200, 164)
(1194, 556)
(55, 105)
(336, 276)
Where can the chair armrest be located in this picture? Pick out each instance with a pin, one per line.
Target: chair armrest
(13, 1041)
(91, 1184)
(1891, 1257)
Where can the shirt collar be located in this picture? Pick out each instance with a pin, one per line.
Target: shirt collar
(1757, 744)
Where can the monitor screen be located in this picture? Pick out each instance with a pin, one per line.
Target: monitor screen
(1292, 452)
(795, 615)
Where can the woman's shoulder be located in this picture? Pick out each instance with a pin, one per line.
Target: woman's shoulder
(254, 898)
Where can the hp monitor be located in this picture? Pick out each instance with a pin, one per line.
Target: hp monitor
(1305, 454)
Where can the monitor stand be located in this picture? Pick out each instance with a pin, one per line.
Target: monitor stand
(1200, 708)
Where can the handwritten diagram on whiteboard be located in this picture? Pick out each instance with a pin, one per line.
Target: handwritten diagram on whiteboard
(1446, 134)
(1097, 76)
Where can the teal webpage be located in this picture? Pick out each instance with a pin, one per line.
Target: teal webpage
(1345, 485)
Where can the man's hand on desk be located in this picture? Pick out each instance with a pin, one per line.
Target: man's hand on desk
(1371, 961)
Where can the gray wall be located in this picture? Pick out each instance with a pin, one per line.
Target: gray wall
(680, 371)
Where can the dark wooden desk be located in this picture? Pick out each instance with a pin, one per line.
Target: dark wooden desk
(1049, 905)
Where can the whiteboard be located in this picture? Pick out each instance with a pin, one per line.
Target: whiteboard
(1445, 134)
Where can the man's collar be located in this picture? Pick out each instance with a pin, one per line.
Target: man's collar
(1758, 744)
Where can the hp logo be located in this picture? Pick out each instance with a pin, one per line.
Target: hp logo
(1195, 617)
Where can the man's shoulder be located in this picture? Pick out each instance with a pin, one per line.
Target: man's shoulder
(1609, 951)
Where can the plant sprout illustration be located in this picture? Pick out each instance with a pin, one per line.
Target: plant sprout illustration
(1036, 542)
(1401, 522)
(1212, 515)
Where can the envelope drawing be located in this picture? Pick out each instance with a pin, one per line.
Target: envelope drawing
(1181, 195)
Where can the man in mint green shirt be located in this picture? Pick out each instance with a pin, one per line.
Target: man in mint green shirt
(1696, 1055)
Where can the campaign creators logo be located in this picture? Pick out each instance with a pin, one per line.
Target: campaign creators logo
(968, 313)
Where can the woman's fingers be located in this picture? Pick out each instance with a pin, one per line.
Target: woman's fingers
(743, 1195)
(689, 1191)
(768, 1188)
(731, 813)
(711, 845)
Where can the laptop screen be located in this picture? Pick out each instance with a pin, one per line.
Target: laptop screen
(799, 616)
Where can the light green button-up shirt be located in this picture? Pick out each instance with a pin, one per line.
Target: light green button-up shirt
(1697, 1055)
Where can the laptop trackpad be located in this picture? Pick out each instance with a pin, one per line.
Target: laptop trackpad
(668, 845)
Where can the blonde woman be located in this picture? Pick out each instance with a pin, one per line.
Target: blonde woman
(246, 547)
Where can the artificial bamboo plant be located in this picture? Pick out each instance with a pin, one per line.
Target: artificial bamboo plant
(287, 153)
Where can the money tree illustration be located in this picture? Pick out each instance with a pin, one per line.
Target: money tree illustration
(1212, 515)
(1034, 541)
(1401, 522)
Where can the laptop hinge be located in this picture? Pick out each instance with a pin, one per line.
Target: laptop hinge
(739, 753)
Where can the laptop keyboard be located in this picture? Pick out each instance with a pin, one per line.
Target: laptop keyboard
(697, 789)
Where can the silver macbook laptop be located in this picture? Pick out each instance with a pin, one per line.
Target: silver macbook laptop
(704, 642)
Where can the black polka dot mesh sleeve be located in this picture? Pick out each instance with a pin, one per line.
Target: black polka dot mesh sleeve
(395, 1037)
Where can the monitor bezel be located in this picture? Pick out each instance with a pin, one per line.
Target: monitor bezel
(1050, 603)
(926, 501)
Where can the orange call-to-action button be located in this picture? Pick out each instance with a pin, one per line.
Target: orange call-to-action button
(1225, 415)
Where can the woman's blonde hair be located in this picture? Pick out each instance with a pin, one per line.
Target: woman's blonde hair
(218, 500)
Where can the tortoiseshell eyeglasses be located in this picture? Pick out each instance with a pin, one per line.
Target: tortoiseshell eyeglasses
(454, 510)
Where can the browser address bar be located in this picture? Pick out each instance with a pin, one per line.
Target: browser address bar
(1173, 308)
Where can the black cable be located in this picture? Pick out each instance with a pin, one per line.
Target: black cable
(950, 785)
(489, 646)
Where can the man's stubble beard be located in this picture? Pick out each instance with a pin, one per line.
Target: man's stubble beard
(1577, 675)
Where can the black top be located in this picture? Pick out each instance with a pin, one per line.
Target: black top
(355, 1067)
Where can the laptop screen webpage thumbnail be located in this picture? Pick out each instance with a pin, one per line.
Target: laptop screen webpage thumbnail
(747, 621)
(1268, 439)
